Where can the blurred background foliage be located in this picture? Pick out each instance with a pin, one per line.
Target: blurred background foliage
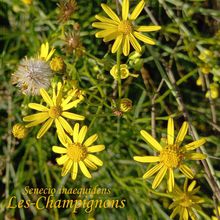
(188, 28)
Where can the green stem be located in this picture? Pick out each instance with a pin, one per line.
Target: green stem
(119, 74)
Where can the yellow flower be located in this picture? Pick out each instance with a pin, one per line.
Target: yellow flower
(213, 92)
(199, 81)
(57, 64)
(78, 94)
(19, 131)
(215, 212)
(56, 112)
(123, 31)
(205, 69)
(27, 2)
(205, 55)
(170, 156)
(74, 90)
(125, 105)
(123, 70)
(185, 202)
(44, 52)
(78, 153)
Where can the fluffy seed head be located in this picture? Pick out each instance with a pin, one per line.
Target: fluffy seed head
(31, 75)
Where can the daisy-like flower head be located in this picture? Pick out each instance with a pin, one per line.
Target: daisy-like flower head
(31, 75)
(45, 54)
(185, 202)
(123, 30)
(171, 156)
(55, 111)
(78, 152)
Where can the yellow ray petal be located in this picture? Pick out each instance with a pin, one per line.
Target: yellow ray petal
(94, 159)
(58, 99)
(65, 125)
(37, 122)
(186, 171)
(126, 46)
(46, 97)
(38, 107)
(66, 167)
(66, 100)
(117, 43)
(72, 116)
(110, 13)
(59, 150)
(152, 171)
(106, 20)
(90, 140)
(84, 170)
(44, 128)
(96, 148)
(159, 177)
(102, 25)
(147, 159)
(149, 139)
(175, 212)
(76, 133)
(185, 214)
(90, 164)
(50, 54)
(36, 117)
(59, 127)
(134, 43)
(125, 9)
(182, 133)
(44, 50)
(82, 134)
(105, 33)
(148, 28)
(74, 170)
(191, 186)
(111, 36)
(195, 156)
(194, 144)
(137, 10)
(170, 131)
(61, 160)
(70, 105)
(64, 139)
(170, 182)
(144, 38)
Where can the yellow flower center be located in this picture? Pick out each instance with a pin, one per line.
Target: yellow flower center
(171, 156)
(55, 111)
(76, 152)
(125, 27)
(186, 201)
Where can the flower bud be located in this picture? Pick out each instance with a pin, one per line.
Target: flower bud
(19, 131)
(125, 105)
(123, 69)
(57, 64)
